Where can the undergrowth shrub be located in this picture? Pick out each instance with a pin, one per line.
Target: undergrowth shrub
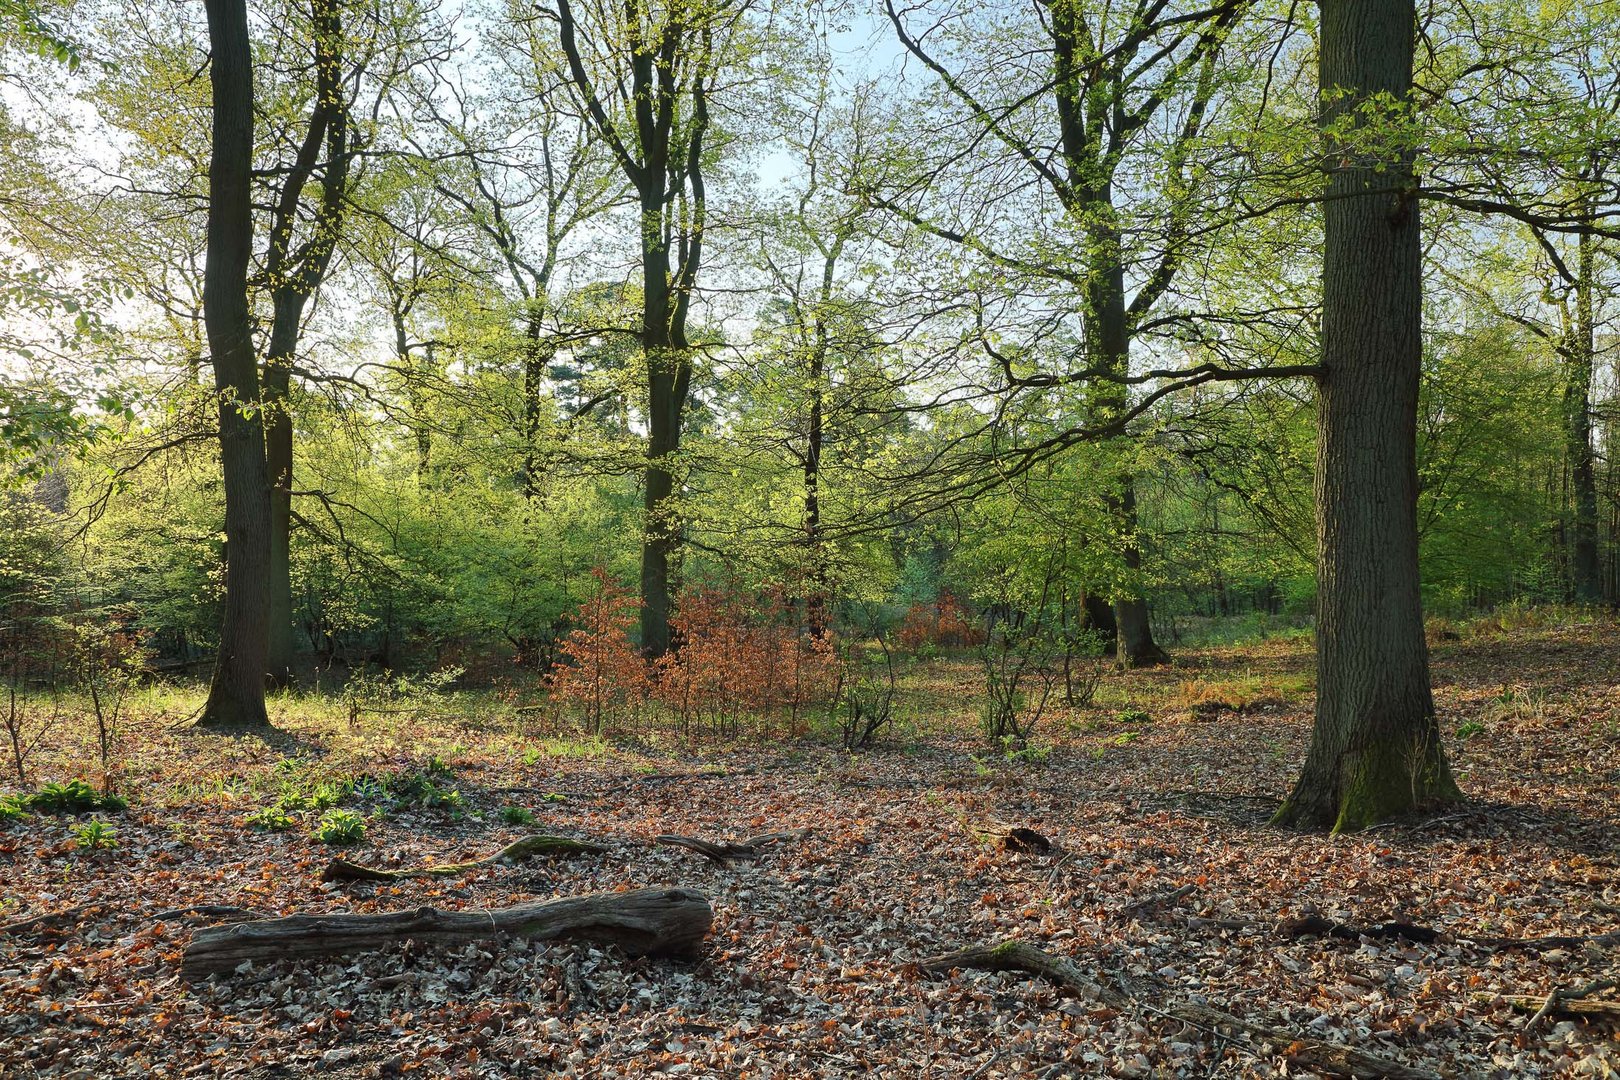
(863, 696)
(943, 623)
(600, 677)
(735, 657)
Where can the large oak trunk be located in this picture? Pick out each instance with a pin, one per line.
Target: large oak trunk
(236, 694)
(1375, 751)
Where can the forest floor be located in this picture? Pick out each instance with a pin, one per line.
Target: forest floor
(1165, 879)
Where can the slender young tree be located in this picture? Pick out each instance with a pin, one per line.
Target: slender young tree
(1375, 750)
(293, 271)
(236, 694)
(644, 72)
(1124, 93)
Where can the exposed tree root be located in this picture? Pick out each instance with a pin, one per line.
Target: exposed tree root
(527, 848)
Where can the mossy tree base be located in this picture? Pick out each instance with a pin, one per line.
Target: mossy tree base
(1354, 788)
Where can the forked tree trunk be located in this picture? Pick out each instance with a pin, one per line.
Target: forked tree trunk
(236, 694)
(1375, 751)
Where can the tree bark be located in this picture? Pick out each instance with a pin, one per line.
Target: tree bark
(278, 438)
(1375, 749)
(293, 276)
(1137, 648)
(236, 693)
(1586, 573)
(644, 922)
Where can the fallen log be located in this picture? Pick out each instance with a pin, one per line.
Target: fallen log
(1539, 1005)
(518, 850)
(1320, 1055)
(644, 922)
(49, 920)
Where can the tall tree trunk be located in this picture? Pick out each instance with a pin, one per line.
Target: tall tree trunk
(536, 360)
(815, 583)
(669, 370)
(1586, 575)
(661, 535)
(294, 275)
(1375, 750)
(1110, 345)
(415, 393)
(278, 438)
(236, 694)
(1136, 645)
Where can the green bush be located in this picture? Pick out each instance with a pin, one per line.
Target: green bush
(340, 828)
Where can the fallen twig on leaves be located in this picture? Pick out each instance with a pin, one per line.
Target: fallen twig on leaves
(724, 853)
(48, 920)
(527, 848)
(1559, 1000)
(1148, 903)
(643, 922)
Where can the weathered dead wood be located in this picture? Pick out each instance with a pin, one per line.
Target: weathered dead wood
(1316, 926)
(725, 854)
(644, 922)
(1015, 955)
(1157, 900)
(518, 850)
(1318, 1055)
(49, 920)
(1575, 1001)
(1024, 841)
(1329, 1058)
(1556, 941)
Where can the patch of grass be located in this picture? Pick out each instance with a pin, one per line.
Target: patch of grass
(420, 790)
(517, 815)
(1516, 703)
(340, 828)
(1133, 716)
(1468, 729)
(561, 746)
